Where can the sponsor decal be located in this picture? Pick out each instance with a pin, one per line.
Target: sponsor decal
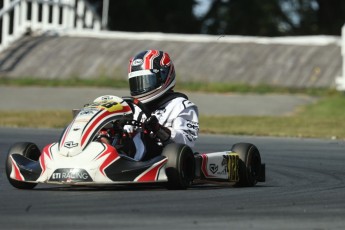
(223, 166)
(213, 168)
(189, 137)
(70, 144)
(137, 62)
(70, 175)
(231, 167)
(193, 125)
(87, 112)
(106, 98)
(159, 112)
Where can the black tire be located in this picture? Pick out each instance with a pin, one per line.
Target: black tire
(27, 149)
(180, 168)
(249, 164)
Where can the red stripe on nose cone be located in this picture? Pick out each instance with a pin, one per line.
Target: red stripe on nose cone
(17, 174)
(111, 154)
(45, 152)
(152, 173)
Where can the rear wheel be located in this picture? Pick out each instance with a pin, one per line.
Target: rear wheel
(27, 149)
(180, 168)
(249, 164)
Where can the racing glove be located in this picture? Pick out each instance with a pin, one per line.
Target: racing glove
(105, 136)
(151, 124)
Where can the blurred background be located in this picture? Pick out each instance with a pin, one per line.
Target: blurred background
(290, 47)
(235, 17)
(287, 43)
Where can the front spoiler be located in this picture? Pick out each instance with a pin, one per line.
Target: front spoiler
(122, 171)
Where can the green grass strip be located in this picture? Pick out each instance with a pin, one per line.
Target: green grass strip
(324, 119)
(213, 87)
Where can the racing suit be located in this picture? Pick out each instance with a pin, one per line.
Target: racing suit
(173, 111)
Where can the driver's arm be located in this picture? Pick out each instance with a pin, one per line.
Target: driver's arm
(185, 127)
(182, 127)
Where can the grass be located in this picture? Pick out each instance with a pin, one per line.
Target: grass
(299, 126)
(35, 119)
(181, 86)
(324, 119)
(70, 82)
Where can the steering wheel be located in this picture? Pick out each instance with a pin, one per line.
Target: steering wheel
(133, 101)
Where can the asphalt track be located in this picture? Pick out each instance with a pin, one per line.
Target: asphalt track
(305, 189)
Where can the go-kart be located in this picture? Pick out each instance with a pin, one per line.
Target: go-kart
(80, 159)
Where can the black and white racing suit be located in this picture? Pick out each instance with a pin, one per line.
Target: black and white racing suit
(179, 115)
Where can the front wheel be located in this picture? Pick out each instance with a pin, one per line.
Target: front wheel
(180, 168)
(249, 164)
(28, 150)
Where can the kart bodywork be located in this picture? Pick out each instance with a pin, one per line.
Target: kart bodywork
(79, 159)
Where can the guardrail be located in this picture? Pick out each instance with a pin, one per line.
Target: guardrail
(23, 16)
(340, 81)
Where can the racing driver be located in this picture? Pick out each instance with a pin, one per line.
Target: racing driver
(173, 118)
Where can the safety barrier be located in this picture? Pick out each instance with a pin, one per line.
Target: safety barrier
(340, 81)
(40, 16)
(76, 18)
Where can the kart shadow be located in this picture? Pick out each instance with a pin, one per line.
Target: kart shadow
(100, 188)
(138, 187)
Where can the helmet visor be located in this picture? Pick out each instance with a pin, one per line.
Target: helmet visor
(143, 83)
